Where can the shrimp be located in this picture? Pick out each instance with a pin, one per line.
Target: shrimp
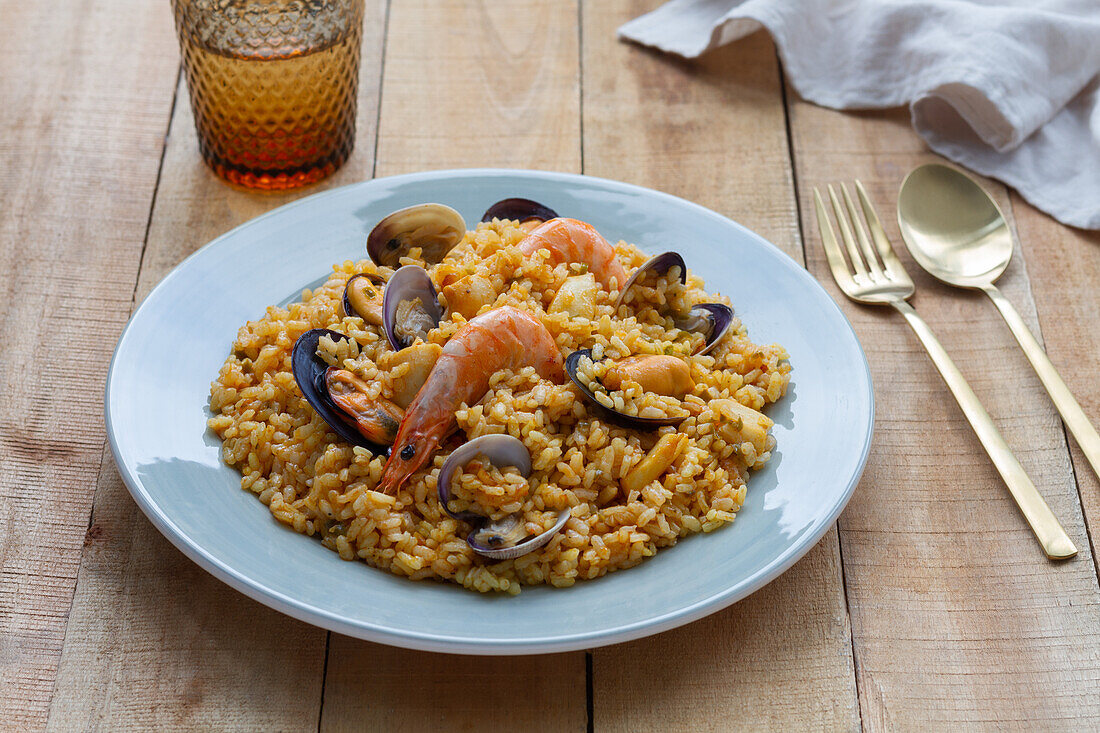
(503, 338)
(569, 240)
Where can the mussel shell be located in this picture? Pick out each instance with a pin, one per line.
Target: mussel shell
(519, 210)
(628, 421)
(384, 244)
(376, 279)
(721, 317)
(501, 450)
(408, 283)
(481, 539)
(309, 373)
(662, 263)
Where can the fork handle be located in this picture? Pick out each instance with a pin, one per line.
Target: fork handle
(1056, 543)
(1070, 410)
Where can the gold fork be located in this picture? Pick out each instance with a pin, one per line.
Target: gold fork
(868, 281)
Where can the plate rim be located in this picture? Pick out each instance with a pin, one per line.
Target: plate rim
(435, 642)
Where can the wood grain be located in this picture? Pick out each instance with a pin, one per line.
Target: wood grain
(490, 83)
(376, 687)
(468, 84)
(1065, 277)
(74, 200)
(958, 619)
(713, 131)
(154, 642)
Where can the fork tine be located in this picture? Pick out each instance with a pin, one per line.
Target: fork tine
(846, 235)
(833, 254)
(893, 265)
(861, 235)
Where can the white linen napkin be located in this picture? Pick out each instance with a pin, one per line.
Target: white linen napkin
(1008, 88)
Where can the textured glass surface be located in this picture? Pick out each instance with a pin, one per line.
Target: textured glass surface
(273, 85)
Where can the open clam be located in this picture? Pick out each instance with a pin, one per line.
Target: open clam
(310, 373)
(507, 538)
(521, 210)
(572, 364)
(712, 320)
(660, 264)
(435, 228)
(410, 307)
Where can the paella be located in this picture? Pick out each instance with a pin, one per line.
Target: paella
(519, 403)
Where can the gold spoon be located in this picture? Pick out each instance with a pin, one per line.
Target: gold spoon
(957, 233)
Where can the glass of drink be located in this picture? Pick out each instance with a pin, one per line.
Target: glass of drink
(273, 86)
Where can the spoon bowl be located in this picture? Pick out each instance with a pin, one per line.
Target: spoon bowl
(954, 230)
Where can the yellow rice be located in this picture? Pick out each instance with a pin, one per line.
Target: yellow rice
(321, 486)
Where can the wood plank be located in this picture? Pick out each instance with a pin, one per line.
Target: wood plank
(486, 84)
(74, 200)
(376, 687)
(498, 86)
(1065, 277)
(154, 642)
(713, 131)
(957, 616)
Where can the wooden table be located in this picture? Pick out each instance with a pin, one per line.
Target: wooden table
(930, 603)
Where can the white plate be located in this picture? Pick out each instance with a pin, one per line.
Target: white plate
(157, 406)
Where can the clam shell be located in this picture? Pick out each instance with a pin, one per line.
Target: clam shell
(309, 373)
(662, 263)
(630, 421)
(721, 316)
(481, 539)
(501, 450)
(408, 283)
(519, 210)
(436, 228)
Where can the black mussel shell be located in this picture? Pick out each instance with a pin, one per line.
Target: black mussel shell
(309, 373)
(628, 421)
(519, 210)
(376, 279)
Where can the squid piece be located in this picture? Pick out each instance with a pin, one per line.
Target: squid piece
(742, 424)
(655, 463)
(421, 358)
(468, 295)
(577, 297)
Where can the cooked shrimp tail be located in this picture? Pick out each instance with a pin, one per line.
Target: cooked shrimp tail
(503, 338)
(569, 240)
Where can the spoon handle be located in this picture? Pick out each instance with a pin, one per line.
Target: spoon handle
(1056, 543)
(1074, 417)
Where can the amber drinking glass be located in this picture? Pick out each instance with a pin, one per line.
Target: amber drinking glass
(273, 86)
